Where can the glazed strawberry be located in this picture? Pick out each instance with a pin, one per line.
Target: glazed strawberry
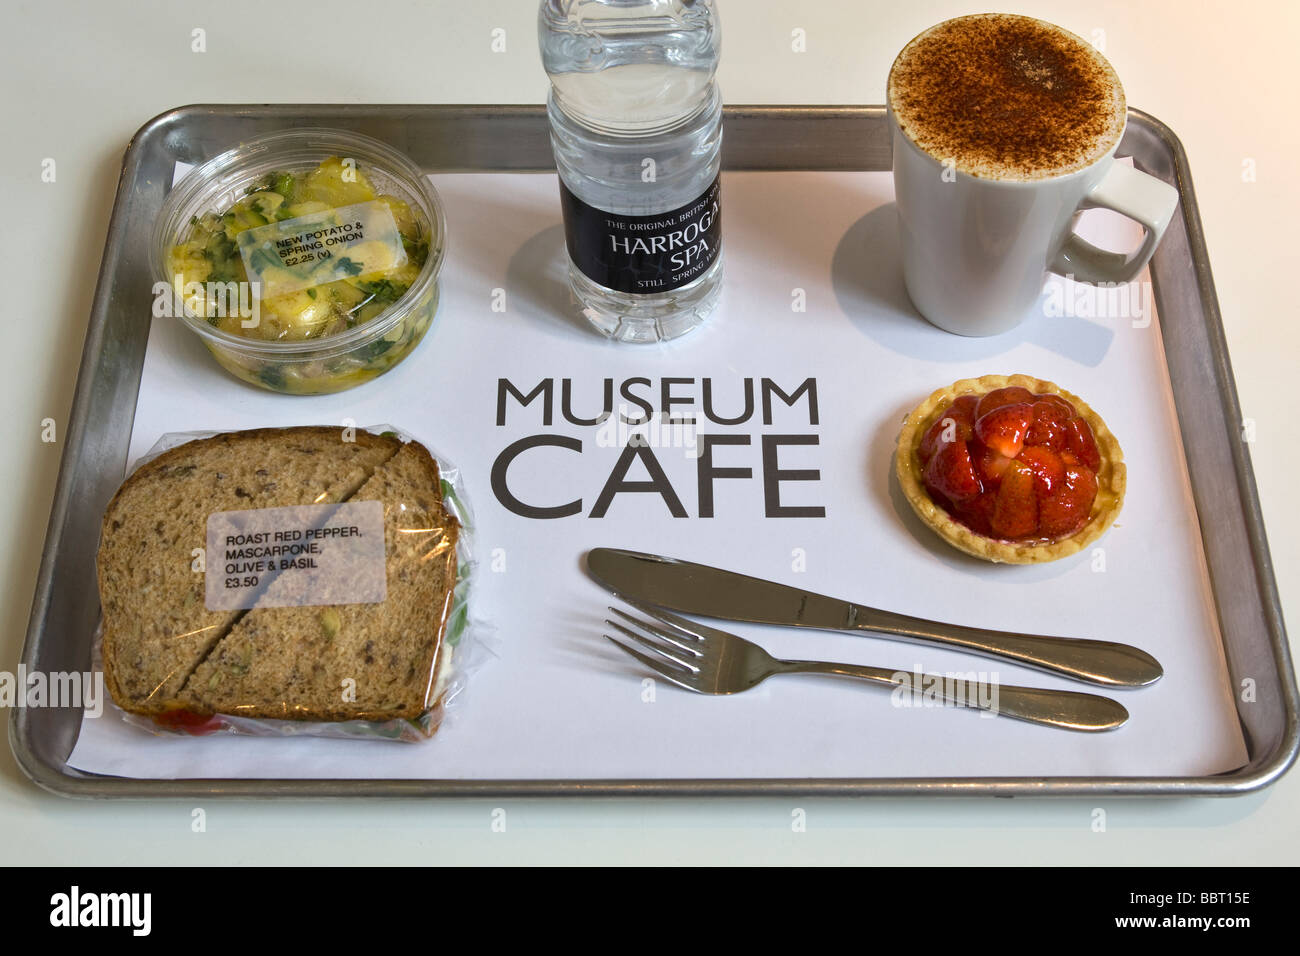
(1004, 428)
(1051, 398)
(1015, 513)
(1066, 511)
(963, 409)
(931, 440)
(1047, 467)
(957, 423)
(977, 514)
(1051, 415)
(1010, 395)
(951, 473)
(989, 464)
(1080, 441)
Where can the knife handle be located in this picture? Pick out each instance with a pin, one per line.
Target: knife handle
(1096, 662)
(1066, 709)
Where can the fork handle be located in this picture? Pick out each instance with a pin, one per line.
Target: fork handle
(1097, 662)
(1067, 709)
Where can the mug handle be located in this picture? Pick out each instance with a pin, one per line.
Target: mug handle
(1144, 199)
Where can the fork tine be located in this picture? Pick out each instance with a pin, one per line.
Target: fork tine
(674, 639)
(687, 628)
(668, 673)
(651, 645)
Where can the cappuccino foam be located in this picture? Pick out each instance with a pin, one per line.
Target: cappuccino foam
(1007, 97)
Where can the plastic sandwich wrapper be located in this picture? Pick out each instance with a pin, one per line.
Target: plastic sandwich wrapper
(294, 578)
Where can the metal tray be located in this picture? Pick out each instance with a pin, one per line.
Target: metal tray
(465, 138)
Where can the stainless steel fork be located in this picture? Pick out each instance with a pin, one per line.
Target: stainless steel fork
(711, 661)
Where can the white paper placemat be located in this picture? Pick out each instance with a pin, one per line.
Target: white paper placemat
(813, 291)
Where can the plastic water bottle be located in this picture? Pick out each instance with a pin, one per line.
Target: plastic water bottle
(636, 125)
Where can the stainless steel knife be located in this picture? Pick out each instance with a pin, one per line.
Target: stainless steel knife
(713, 592)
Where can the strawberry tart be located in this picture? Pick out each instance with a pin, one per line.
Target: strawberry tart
(1011, 469)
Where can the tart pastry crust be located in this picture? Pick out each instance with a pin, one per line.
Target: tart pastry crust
(1111, 476)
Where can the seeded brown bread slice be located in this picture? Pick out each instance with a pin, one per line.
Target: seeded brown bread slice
(304, 663)
(156, 628)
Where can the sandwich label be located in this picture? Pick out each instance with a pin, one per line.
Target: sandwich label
(298, 556)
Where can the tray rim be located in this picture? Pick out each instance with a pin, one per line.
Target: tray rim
(66, 781)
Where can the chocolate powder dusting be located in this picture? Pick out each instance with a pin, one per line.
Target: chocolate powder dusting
(1007, 97)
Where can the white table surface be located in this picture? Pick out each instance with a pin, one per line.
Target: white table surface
(80, 78)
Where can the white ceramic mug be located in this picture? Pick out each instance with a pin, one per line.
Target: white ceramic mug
(977, 251)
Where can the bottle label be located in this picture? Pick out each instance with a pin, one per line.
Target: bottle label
(644, 254)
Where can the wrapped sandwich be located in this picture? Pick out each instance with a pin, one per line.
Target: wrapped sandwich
(297, 580)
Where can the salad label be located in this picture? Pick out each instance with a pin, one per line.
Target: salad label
(644, 254)
(303, 555)
(306, 251)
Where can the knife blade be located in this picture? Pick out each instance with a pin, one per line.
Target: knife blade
(714, 592)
